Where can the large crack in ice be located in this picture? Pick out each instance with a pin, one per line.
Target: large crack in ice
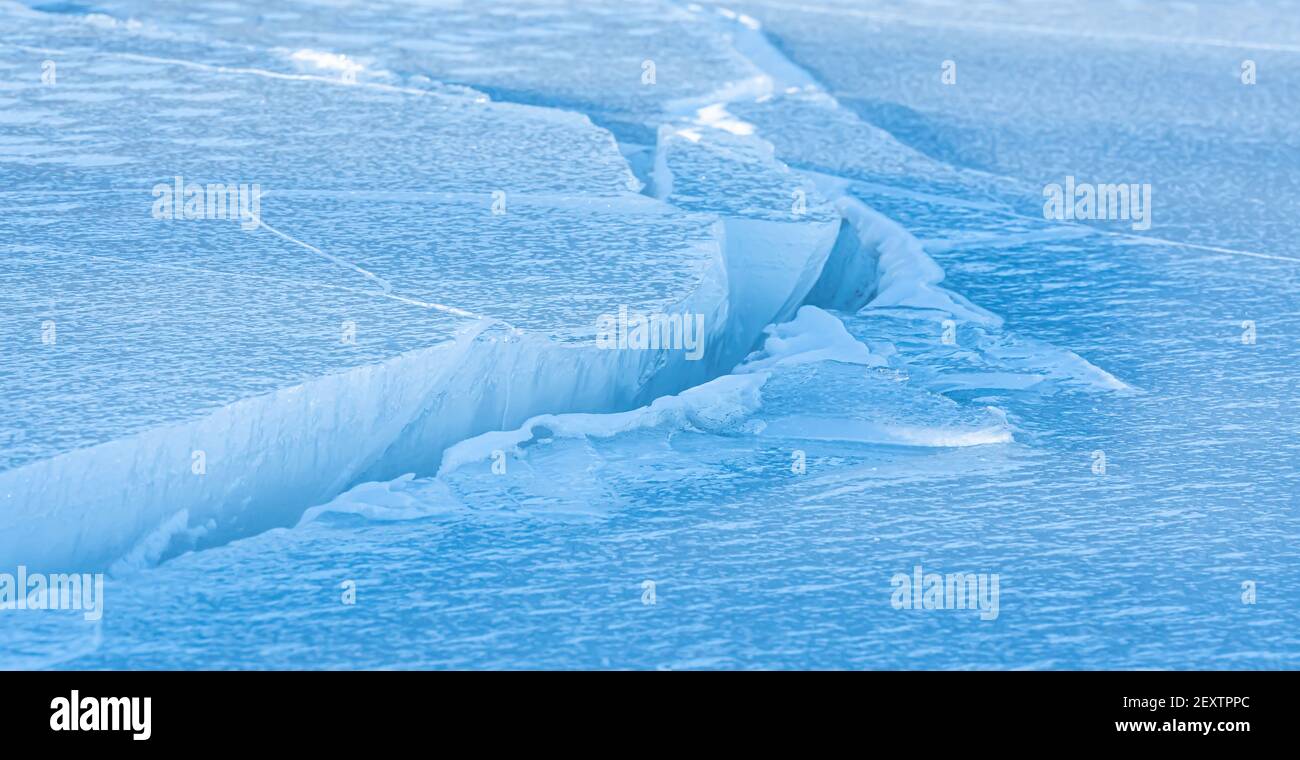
(409, 408)
(875, 264)
(417, 406)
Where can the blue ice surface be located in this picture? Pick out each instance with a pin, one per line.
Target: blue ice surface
(945, 369)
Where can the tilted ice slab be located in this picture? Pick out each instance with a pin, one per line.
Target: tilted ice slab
(779, 231)
(423, 268)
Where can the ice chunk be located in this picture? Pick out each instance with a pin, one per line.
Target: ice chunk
(779, 230)
(860, 402)
(766, 396)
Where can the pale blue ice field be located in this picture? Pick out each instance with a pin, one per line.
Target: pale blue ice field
(376, 426)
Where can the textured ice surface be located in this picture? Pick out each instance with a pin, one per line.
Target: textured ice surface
(812, 131)
(757, 566)
(713, 170)
(625, 66)
(391, 223)
(1148, 93)
(947, 408)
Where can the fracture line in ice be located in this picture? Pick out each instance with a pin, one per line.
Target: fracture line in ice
(739, 390)
(381, 282)
(887, 258)
(729, 406)
(1200, 247)
(1060, 230)
(1064, 229)
(385, 286)
(243, 275)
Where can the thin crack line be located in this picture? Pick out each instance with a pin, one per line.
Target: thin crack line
(220, 273)
(383, 283)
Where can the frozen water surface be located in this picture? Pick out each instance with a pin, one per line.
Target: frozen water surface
(623, 65)
(1121, 92)
(946, 372)
(393, 222)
